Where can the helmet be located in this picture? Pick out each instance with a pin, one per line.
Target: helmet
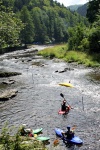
(68, 127)
(64, 101)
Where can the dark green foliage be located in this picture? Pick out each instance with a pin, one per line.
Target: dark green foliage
(93, 9)
(10, 27)
(40, 20)
(5, 138)
(93, 15)
(46, 21)
(94, 37)
(78, 38)
(50, 19)
(18, 4)
(8, 3)
(27, 34)
(87, 38)
(17, 142)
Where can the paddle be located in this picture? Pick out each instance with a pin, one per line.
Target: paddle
(55, 142)
(62, 95)
(73, 128)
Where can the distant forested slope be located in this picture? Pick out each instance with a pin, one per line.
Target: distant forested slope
(74, 7)
(50, 20)
(38, 21)
(82, 10)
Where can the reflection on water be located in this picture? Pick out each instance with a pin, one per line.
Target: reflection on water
(38, 100)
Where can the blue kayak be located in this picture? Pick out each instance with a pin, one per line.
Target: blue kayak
(74, 140)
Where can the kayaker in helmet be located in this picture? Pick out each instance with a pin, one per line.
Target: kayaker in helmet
(69, 134)
(63, 106)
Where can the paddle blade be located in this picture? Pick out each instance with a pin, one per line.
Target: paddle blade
(56, 142)
(61, 95)
(73, 128)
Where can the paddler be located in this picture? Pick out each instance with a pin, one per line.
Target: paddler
(69, 134)
(63, 106)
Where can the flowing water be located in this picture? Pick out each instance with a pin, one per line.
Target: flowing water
(38, 99)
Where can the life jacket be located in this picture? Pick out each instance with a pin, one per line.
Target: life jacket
(63, 108)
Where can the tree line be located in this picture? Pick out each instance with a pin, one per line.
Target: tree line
(46, 21)
(85, 38)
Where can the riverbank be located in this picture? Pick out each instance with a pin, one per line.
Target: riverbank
(61, 52)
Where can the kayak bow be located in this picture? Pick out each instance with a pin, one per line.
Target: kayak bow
(43, 138)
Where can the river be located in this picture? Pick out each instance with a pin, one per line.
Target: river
(38, 99)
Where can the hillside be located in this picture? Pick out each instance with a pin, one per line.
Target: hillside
(82, 10)
(49, 18)
(36, 21)
(74, 7)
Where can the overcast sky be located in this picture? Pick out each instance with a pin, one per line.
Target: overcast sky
(72, 2)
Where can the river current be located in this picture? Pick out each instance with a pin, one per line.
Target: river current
(38, 99)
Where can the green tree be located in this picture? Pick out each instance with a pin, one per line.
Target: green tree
(50, 19)
(93, 9)
(18, 4)
(60, 31)
(27, 34)
(8, 3)
(40, 20)
(10, 27)
(93, 15)
(94, 37)
(52, 14)
(78, 38)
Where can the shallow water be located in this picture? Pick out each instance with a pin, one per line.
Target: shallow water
(38, 99)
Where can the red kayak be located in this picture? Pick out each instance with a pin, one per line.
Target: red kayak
(64, 112)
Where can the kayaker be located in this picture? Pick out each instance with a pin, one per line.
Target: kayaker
(69, 134)
(63, 106)
(22, 131)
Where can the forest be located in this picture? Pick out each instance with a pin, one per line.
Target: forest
(25, 22)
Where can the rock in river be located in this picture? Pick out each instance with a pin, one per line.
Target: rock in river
(6, 95)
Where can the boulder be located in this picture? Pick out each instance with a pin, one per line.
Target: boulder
(6, 95)
(8, 74)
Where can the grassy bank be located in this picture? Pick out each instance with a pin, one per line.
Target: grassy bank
(61, 52)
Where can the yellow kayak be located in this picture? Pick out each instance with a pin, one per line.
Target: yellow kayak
(66, 84)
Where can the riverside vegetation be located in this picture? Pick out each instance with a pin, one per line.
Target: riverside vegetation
(62, 52)
(17, 142)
